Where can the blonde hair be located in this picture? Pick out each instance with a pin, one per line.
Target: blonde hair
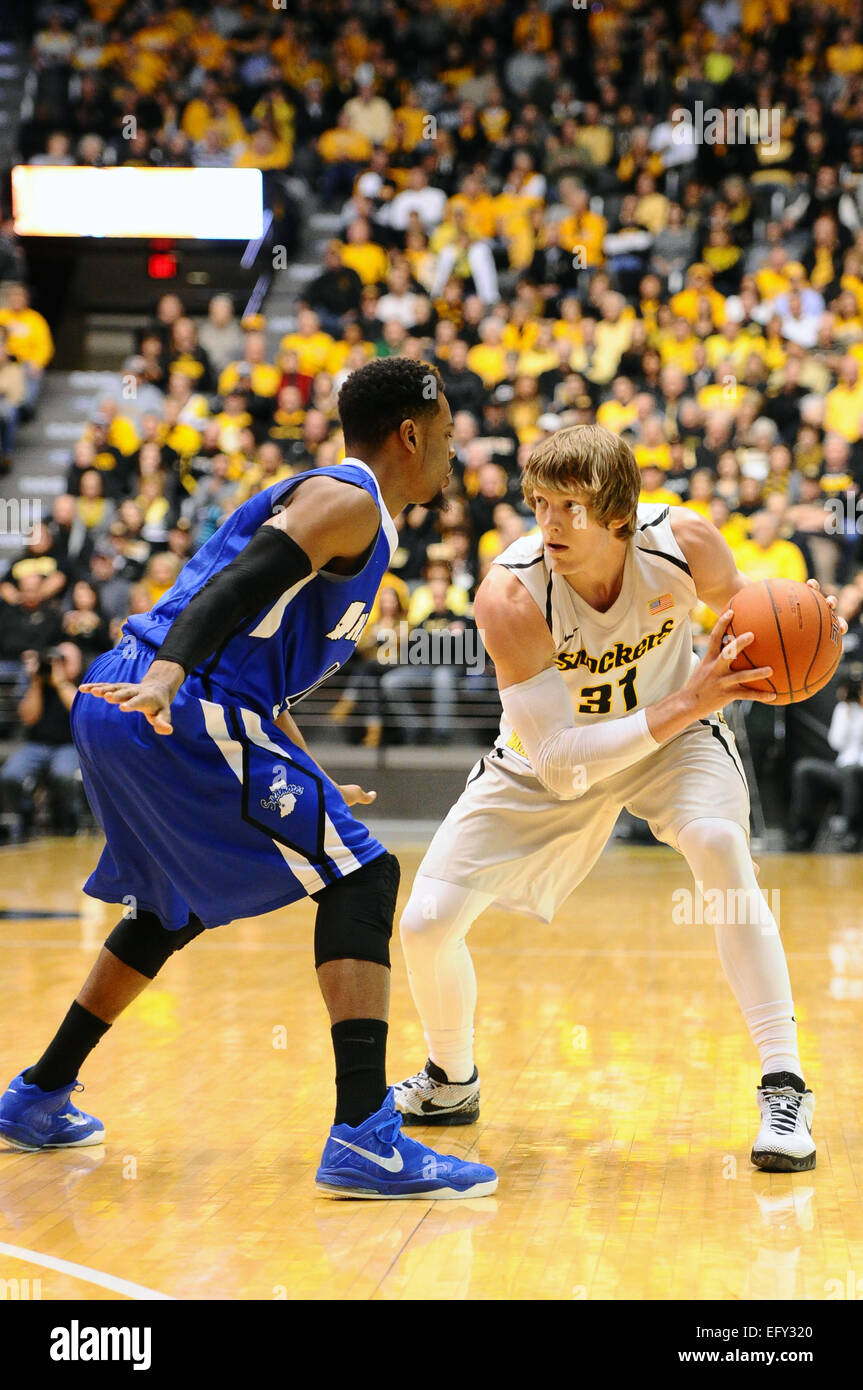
(596, 462)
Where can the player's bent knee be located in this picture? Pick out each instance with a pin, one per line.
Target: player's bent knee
(438, 913)
(712, 840)
(420, 923)
(355, 915)
(142, 943)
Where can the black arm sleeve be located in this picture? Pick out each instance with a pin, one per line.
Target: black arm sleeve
(271, 563)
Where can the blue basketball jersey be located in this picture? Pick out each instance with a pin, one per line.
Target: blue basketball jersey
(278, 655)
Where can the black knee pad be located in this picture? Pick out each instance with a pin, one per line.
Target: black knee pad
(142, 942)
(355, 914)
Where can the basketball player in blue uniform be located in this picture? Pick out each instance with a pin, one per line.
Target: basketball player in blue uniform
(211, 805)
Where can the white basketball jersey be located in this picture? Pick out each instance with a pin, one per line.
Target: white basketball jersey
(632, 655)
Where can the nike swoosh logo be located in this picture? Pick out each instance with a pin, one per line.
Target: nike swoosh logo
(394, 1164)
(74, 1119)
(428, 1105)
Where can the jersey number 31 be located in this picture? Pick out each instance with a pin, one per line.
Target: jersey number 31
(596, 699)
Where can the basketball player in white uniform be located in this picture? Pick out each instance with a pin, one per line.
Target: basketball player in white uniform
(605, 706)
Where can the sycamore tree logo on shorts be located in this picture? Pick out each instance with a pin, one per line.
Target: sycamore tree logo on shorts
(283, 796)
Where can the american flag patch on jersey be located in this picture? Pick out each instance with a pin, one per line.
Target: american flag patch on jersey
(659, 605)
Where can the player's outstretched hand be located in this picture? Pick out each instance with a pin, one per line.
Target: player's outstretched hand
(355, 796)
(713, 684)
(150, 698)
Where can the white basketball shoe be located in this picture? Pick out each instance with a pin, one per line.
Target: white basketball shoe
(784, 1143)
(430, 1098)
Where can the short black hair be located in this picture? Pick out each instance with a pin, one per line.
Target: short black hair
(377, 397)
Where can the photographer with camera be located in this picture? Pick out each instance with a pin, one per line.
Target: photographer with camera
(815, 780)
(47, 754)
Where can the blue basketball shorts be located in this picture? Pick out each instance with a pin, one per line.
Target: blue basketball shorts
(223, 818)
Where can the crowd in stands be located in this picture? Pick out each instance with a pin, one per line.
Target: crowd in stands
(522, 195)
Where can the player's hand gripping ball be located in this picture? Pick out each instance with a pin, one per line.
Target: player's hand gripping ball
(796, 632)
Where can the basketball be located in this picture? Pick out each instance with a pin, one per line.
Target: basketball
(796, 632)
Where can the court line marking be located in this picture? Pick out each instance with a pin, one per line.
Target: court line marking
(83, 1272)
(605, 951)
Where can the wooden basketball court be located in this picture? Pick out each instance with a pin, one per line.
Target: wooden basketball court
(618, 1105)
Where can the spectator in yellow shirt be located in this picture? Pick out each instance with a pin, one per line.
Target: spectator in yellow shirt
(210, 110)
(594, 142)
(773, 278)
(480, 214)
(232, 420)
(28, 339)
(847, 322)
(269, 467)
(460, 256)
(369, 115)
(146, 58)
(312, 346)
(121, 433)
(621, 412)
(513, 207)
(699, 286)
(756, 11)
(581, 230)
(363, 255)
(613, 335)
(260, 375)
(653, 449)
(422, 602)
(539, 355)
(651, 210)
(179, 435)
(732, 526)
(161, 572)
(765, 555)
(411, 118)
(488, 358)
(207, 44)
(725, 392)
(350, 350)
(731, 343)
(264, 150)
(845, 56)
(653, 489)
(508, 528)
(533, 24)
(677, 346)
(701, 490)
(843, 406)
(344, 151)
(277, 113)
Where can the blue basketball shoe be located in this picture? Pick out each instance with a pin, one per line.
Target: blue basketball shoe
(31, 1118)
(376, 1160)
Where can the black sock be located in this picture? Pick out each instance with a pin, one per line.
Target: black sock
(360, 1045)
(782, 1079)
(74, 1040)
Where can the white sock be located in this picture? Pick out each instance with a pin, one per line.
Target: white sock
(749, 944)
(440, 970)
